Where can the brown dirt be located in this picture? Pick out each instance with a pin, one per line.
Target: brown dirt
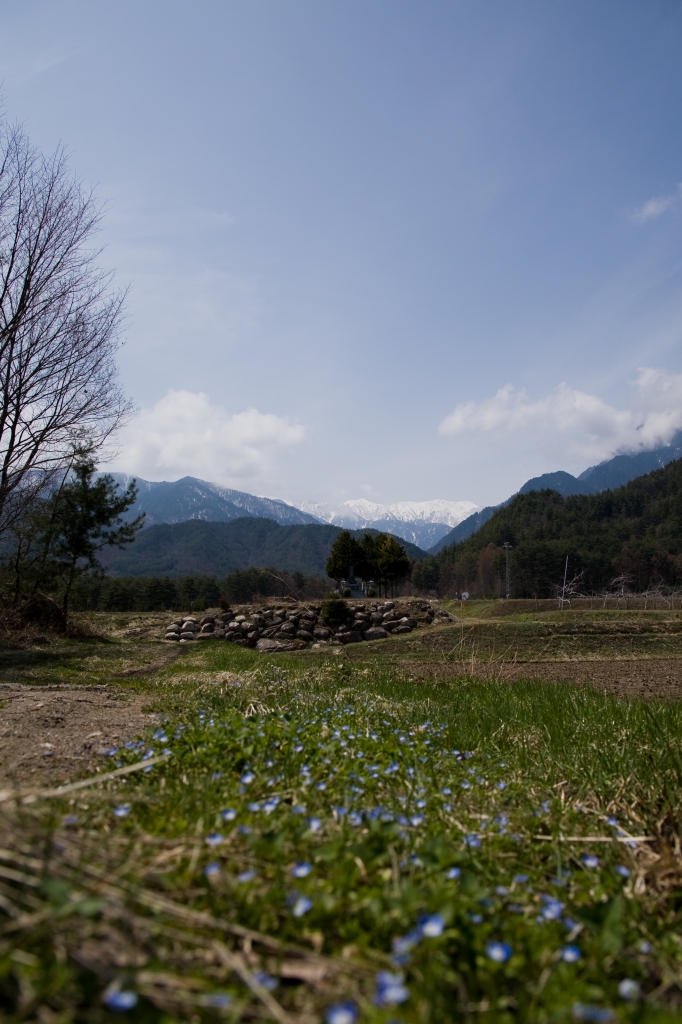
(649, 678)
(53, 735)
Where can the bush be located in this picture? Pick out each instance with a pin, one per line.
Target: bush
(335, 610)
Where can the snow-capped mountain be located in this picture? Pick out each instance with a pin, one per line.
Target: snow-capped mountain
(421, 522)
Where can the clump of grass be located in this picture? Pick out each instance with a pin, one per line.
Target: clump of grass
(333, 841)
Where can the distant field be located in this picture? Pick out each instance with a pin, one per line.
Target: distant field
(423, 829)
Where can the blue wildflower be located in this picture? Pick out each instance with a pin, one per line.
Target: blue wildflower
(301, 906)
(594, 1014)
(214, 839)
(217, 1000)
(498, 951)
(342, 1013)
(228, 815)
(301, 870)
(121, 1000)
(314, 824)
(472, 841)
(570, 954)
(431, 926)
(623, 871)
(629, 989)
(246, 876)
(247, 778)
(266, 980)
(390, 989)
(452, 873)
(254, 808)
(589, 860)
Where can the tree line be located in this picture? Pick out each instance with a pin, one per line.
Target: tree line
(379, 558)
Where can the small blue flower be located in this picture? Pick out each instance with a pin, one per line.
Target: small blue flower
(244, 830)
(314, 824)
(416, 820)
(552, 908)
(589, 860)
(594, 1014)
(247, 778)
(321, 785)
(453, 873)
(570, 954)
(266, 980)
(342, 1013)
(301, 906)
(629, 989)
(475, 918)
(390, 989)
(623, 871)
(466, 785)
(301, 870)
(498, 951)
(612, 821)
(520, 879)
(214, 839)
(340, 811)
(299, 809)
(501, 785)
(229, 815)
(298, 748)
(645, 947)
(254, 808)
(356, 819)
(431, 926)
(270, 805)
(246, 876)
(420, 804)
(472, 841)
(121, 1000)
(217, 1001)
(446, 791)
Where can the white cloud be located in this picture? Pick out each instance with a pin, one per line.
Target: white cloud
(653, 208)
(588, 427)
(184, 434)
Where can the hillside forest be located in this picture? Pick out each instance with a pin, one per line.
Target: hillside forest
(632, 534)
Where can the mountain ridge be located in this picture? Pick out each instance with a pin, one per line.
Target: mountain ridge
(218, 548)
(607, 475)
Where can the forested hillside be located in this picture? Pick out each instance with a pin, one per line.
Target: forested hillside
(635, 530)
(218, 549)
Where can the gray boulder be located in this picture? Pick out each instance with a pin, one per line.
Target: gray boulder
(375, 633)
(266, 646)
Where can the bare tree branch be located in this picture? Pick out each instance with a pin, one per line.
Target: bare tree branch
(60, 322)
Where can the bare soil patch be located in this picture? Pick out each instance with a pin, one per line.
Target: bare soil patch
(53, 735)
(648, 678)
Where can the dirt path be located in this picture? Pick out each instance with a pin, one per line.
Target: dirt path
(51, 735)
(636, 678)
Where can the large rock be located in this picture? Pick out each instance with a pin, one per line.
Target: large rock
(288, 627)
(187, 635)
(375, 633)
(403, 629)
(303, 634)
(321, 633)
(350, 638)
(267, 646)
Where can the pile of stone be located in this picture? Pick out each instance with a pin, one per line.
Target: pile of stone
(288, 628)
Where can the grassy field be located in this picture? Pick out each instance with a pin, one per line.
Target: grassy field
(324, 838)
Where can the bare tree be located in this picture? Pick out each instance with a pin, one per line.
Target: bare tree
(59, 323)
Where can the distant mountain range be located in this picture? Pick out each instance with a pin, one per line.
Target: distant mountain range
(189, 498)
(608, 475)
(218, 548)
(420, 522)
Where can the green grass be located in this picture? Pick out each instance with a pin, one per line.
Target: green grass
(101, 903)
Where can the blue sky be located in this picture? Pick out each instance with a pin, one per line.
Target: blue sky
(376, 249)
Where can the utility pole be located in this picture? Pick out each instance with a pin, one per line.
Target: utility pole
(563, 592)
(507, 573)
